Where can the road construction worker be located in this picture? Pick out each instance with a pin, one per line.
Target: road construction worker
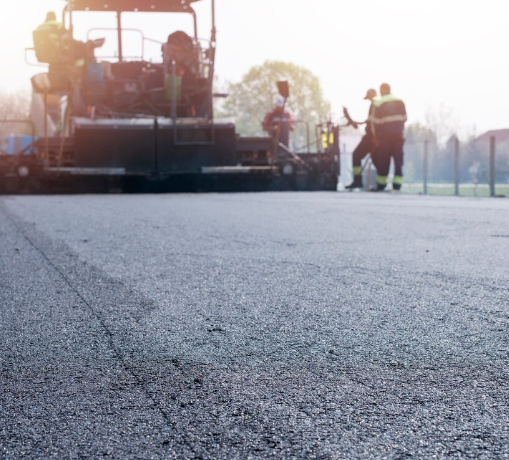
(53, 25)
(51, 33)
(52, 43)
(366, 145)
(279, 122)
(389, 125)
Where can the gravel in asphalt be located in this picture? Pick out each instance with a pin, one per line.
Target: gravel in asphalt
(253, 326)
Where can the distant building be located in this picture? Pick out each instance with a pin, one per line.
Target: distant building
(501, 136)
(502, 151)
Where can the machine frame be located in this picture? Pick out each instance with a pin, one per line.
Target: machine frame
(108, 150)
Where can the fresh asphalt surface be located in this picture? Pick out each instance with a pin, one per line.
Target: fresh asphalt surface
(254, 325)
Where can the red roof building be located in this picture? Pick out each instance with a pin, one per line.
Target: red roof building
(501, 136)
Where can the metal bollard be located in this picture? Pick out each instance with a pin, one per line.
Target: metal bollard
(425, 167)
(456, 166)
(492, 165)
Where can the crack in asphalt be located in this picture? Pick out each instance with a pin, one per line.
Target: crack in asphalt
(110, 336)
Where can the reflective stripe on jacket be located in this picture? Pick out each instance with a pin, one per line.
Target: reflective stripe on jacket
(389, 116)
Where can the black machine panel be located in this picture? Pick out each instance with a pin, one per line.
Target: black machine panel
(142, 146)
(128, 144)
(191, 147)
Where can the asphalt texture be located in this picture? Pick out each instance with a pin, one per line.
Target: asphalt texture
(254, 326)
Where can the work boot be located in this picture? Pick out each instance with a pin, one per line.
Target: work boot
(396, 187)
(357, 183)
(378, 188)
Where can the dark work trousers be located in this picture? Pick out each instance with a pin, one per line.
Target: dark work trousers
(391, 146)
(364, 148)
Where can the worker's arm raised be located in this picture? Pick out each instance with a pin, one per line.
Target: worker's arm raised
(355, 124)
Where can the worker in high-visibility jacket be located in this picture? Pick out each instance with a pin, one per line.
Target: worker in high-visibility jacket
(366, 145)
(55, 33)
(53, 44)
(389, 121)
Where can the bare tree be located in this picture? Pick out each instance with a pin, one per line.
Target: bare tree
(14, 106)
(443, 123)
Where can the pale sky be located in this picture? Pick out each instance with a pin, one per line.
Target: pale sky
(432, 52)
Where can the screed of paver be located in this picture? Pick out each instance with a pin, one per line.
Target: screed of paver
(270, 325)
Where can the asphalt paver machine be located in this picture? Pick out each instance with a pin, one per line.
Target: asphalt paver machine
(125, 122)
